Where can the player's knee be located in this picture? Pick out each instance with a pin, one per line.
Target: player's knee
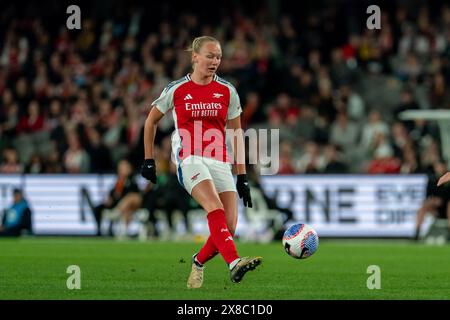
(213, 205)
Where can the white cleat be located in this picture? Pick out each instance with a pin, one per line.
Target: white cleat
(195, 279)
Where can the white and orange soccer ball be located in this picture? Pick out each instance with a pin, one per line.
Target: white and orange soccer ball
(300, 241)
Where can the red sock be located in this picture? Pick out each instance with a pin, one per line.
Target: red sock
(208, 251)
(221, 236)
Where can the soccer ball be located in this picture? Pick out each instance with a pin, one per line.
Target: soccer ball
(300, 241)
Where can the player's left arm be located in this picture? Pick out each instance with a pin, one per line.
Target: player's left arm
(237, 144)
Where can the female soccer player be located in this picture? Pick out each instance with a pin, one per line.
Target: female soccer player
(204, 105)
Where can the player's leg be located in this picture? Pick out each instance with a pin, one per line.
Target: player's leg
(193, 174)
(206, 195)
(209, 249)
(229, 201)
(225, 185)
(245, 264)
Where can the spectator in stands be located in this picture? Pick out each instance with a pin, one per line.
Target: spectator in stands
(333, 160)
(344, 133)
(55, 121)
(10, 121)
(410, 161)
(284, 108)
(400, 138)
(53, 163)
(430, 154)
(306, 86)
(383, 160)
(112, 130)
(283, 115)
(251, 110)
(35, 166)
(439, 96)
(10, 162)
(98, 153)
(76, 159)
(33, 121)
(353, 104)
(306, 127)
(312, 160)
(324, 102)
(407, 103)
(286, 159)
(22, 93)
(31, 134)
(17, 218)
(375, 126)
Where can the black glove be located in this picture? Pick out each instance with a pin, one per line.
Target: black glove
(148, 170)
(243, 190)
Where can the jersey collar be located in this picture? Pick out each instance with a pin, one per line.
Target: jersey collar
(188, 76)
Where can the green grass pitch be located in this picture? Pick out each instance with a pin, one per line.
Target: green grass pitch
(35, 268)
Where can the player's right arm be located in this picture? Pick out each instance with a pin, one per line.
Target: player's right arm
(148, 169)
(150, 126)
(159, 107)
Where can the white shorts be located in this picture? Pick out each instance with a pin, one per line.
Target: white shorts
(195, 169)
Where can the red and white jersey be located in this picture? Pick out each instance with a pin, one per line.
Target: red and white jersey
(200, 114)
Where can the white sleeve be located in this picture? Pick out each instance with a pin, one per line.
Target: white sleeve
(165, 101)
(234, 108)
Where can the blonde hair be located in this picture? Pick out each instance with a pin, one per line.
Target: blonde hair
(198, 42)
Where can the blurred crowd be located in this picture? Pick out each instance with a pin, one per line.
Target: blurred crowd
(75, 101)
